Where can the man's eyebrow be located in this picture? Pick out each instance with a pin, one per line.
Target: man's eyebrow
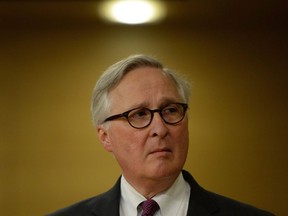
(138, 105)
(163, 102)
(168, 100)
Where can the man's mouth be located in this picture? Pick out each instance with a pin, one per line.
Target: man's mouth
(161, 151)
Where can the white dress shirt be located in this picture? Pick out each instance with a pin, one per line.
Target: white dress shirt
(172, 202)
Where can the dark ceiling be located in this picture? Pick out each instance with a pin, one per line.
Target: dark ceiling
(180, 12)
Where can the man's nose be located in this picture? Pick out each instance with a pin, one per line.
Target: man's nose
(158, 126)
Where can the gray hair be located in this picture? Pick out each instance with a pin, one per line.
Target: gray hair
(100, 103)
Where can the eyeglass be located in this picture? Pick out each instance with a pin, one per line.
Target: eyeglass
(142, 117)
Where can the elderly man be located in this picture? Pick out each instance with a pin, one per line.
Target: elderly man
(139, 109)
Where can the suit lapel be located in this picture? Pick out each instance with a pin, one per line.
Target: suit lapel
(108, 203)
(200, 204)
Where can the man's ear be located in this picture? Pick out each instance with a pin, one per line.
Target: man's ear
(104, 137)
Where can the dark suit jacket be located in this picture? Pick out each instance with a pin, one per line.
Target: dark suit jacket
(201, 203)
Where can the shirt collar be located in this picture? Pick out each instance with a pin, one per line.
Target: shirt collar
(130, 197)
(172, 199)
(175, 194)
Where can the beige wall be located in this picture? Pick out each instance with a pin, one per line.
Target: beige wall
(50, 155)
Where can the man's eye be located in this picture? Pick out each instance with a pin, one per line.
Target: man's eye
(170, 110)
(139, 114)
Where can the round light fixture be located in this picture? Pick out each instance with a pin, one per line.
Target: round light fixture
(133, 11)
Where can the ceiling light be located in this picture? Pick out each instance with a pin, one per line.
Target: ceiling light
(133, 11)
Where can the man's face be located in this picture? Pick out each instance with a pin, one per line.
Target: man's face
(157, 151)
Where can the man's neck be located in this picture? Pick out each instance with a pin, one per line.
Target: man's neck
(149, 187)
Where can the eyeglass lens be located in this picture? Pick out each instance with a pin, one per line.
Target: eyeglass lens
(142, 117)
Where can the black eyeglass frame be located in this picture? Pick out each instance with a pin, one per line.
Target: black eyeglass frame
(126, 115)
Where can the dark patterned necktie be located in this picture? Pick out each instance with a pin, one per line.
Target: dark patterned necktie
(149, 207)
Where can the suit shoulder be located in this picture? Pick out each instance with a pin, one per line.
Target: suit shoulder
(79, 208)
(86, 207)
(202, 200)
(230, 206)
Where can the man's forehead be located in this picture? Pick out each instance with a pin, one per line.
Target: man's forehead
(145, 87)
(163, 101)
